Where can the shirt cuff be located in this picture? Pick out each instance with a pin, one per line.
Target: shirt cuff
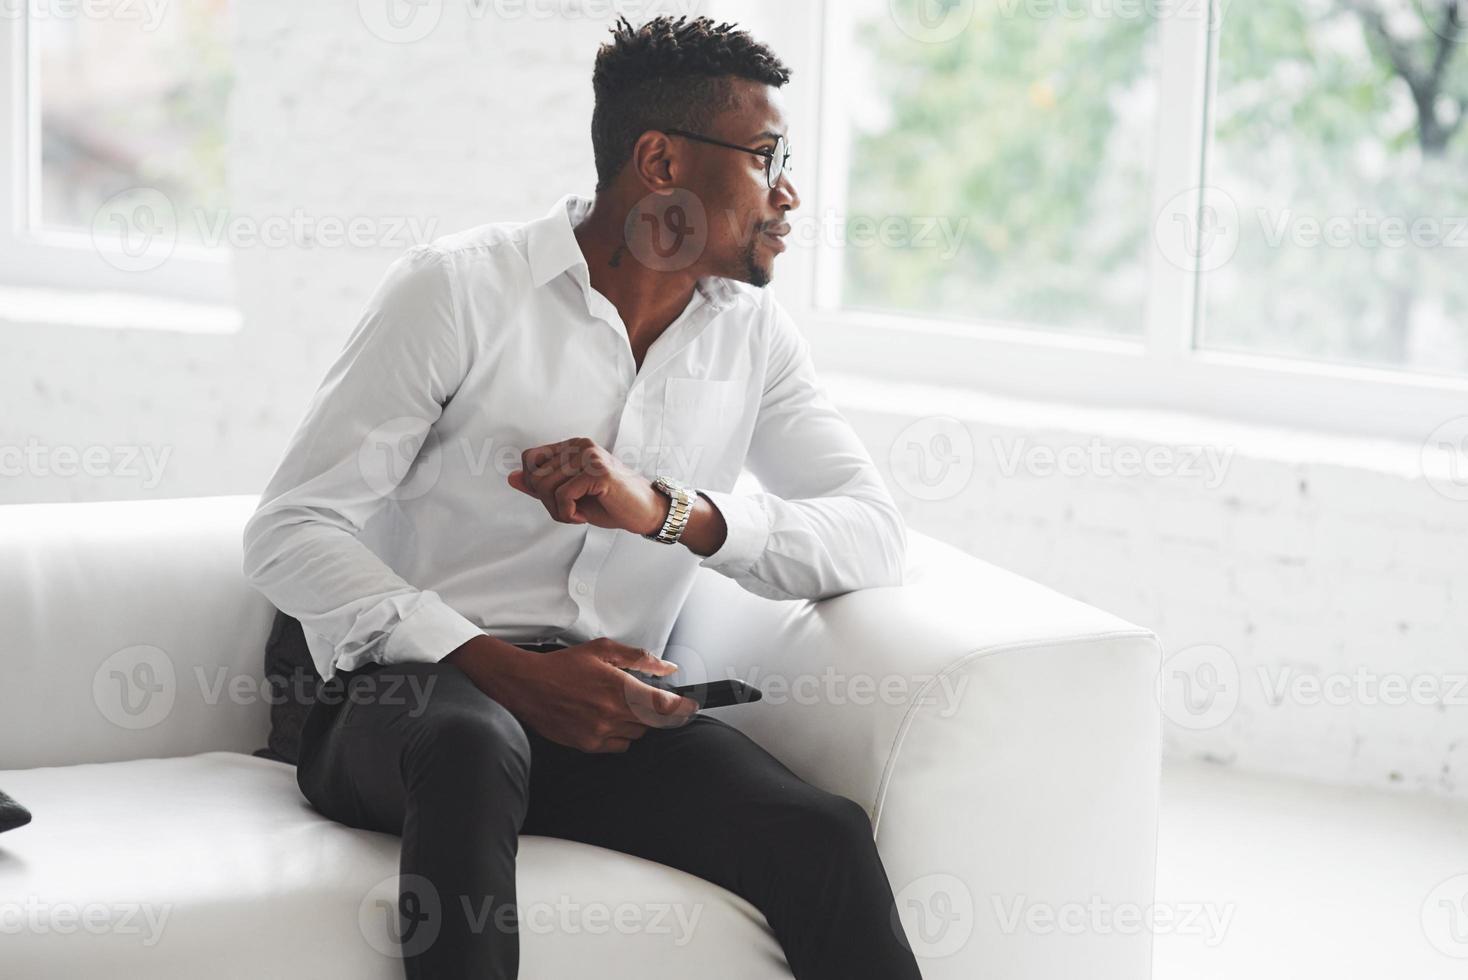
(428, 634)
(748, 532)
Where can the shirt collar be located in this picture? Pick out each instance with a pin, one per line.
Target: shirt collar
(552, 249)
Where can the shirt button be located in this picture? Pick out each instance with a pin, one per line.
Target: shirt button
(582, 588)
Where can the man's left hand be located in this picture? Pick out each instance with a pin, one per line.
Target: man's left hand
(579, 482)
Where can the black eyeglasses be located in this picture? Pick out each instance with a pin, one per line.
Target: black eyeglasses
(777, 161)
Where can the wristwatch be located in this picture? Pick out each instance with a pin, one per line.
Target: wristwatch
(680, 506)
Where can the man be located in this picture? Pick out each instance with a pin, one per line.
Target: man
(601, 349)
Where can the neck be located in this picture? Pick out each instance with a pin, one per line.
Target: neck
(647, 300)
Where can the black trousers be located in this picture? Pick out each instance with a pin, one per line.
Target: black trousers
(417, 750)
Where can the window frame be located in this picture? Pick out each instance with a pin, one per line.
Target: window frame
(59, 259)
(1160, 368)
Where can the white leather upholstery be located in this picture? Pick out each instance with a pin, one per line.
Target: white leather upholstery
(1004, 739)
(1014, 759)
(214, 866)
(96, 596)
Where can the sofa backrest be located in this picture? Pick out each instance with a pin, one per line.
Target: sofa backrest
(127, 630)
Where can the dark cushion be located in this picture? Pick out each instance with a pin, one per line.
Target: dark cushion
(292, 680)
(12, 814)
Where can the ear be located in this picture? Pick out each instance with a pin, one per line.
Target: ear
(655, 161)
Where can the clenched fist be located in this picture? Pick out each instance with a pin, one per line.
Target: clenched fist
(579, 482)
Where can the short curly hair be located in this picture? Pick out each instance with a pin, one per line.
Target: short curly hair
(668, 74)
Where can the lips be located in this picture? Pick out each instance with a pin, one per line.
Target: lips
(775, 236)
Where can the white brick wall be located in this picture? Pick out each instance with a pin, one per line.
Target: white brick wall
(1310, 555)
(1349, 569)
(486, 118)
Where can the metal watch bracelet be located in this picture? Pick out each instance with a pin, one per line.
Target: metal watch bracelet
(680, 508)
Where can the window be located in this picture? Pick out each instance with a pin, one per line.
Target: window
(1130, 188)
(116, 156)
(1011, 163)
(1341, 156)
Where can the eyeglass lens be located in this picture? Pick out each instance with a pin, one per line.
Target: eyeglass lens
(776, 166)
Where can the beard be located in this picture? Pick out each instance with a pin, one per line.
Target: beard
(754, 273)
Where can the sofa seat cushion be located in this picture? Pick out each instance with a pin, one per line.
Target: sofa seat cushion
(215, 866)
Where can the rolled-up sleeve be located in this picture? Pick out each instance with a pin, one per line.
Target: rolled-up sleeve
(825, 522)
(357, 448)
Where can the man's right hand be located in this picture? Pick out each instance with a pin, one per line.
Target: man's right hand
(580, 696)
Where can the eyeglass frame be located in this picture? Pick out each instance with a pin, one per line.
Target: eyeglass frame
(769, 155)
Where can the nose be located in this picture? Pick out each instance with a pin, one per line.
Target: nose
(784, 193)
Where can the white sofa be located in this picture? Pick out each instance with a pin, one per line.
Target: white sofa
(1004, 741)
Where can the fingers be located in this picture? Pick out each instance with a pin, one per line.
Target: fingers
(566, 495)
(674, 709)
(523, 479)
(636, 658)
(655, 707)
(559, 474)
(646, 704)
(546, 478)
(566, 457)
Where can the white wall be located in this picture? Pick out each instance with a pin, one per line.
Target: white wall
(486, 118)
(1313, 591)
(1312, 556)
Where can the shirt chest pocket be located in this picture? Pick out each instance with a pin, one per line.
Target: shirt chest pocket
(704, 438)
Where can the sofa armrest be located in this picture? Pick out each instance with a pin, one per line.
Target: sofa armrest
(1004, 739)
(129, 632)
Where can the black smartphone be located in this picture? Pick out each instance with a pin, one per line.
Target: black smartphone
(711, 694)
(719, 694)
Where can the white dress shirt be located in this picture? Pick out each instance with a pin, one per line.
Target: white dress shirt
(389, 528)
